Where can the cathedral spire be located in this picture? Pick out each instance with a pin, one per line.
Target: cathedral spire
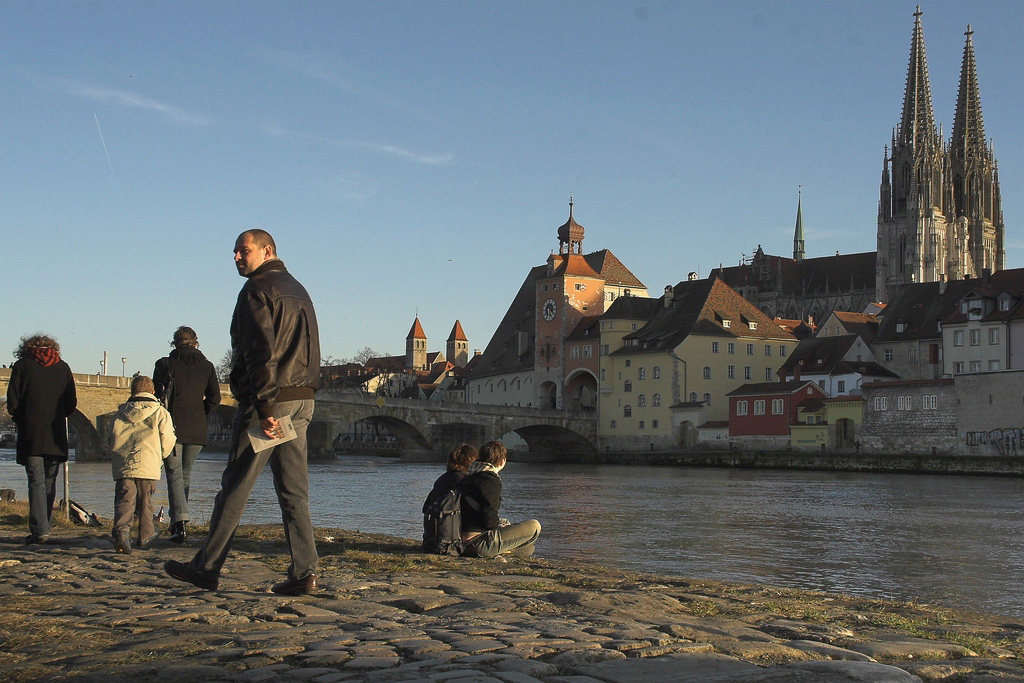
(969, 153)
(917, 123)
(798, 234)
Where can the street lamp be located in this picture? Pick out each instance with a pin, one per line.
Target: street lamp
(123, 361)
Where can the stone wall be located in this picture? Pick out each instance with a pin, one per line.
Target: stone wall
(899, 420)
(990, 418)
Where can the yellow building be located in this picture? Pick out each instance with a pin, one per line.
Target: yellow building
(693, 345)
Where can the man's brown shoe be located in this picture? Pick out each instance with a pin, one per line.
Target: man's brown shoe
(302, 586)
(185, 572)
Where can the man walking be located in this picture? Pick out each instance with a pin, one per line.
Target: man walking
(275, 368)
(187, 383)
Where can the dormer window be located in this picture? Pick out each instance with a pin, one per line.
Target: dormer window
(1004, 304)
(900, 327)
(726, 323)
(974, 312)
(752, 325)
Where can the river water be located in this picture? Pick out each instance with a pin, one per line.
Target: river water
(954, 541)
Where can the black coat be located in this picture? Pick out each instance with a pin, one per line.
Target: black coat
(484, 489)
(40, 399)
(194, 392)
(445, 483)
(275, 343)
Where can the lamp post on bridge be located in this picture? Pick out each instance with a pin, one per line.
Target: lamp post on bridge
(123, 361)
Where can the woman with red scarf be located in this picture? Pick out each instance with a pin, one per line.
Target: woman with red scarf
(40, 397)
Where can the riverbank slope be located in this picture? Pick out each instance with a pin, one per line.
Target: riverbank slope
(75, 610)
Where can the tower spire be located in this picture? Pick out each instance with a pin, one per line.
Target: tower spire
(970, 155)
(798, 234)
(917, 123)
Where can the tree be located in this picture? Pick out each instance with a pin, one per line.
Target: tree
(224, 367)
(365, 355)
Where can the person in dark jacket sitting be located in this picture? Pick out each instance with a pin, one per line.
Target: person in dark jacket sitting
(482, 531)
(459, 459)
(187, 382)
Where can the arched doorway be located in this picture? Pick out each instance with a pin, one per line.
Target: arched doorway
(548, 395)
(845, 435)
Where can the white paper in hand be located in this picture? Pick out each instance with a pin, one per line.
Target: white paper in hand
(284, 432)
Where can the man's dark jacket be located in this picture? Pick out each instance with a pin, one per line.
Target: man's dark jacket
(40, 398)
(275, 343)
(194, 391)
(480, 513)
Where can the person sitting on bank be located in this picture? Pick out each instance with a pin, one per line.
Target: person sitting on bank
(459, 460)
(140, 436)
(482, 531)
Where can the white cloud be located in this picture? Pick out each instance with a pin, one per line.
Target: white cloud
(129, 99)
(392, 150)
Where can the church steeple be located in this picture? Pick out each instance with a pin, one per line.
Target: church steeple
(917, 123)
(798, 234)
(570, 235)
(975, 186)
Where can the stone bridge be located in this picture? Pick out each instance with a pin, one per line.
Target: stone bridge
(426, 429)
(100, 395)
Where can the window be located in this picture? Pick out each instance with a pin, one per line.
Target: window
(707, 398)
(731, 372)
(958, 368)
(881, 403)
(641, 373)
(641, 400)
(759, 407)
(746, 372)
(811, 419)
(903, 403)
(726, 324)
(574, 352)
(776, 406)
(750, 349)
(640, 425)
(888, 355)
(912, 355)
(604, 349)
(604, 375)
(1004, 304)
(782, 351)
(993, 335)
(627, 411)
(655, 400)
(975, 337)
(841, 386)
(958, 338)
(693, 397)
(707, 372)
(654, 424)
(975, 366)
(741, 407)
(993, 366)
(714, 347)
(731, 348)
(588, 351)
(634, 326)
(628, 386)
(580, 287)
(929, 402)
(768, 375)
(767, 349)
(613, 424)
(628, 363)
(752, 325)
(656, 372)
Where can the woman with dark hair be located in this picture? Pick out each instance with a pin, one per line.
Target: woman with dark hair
(41, 395)
(440, 536)
(483, 533)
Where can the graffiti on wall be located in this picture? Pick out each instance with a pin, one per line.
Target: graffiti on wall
(999, 441)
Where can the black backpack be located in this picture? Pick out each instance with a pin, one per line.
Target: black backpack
(442, 524)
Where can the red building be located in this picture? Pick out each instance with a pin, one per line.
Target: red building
(768, 408)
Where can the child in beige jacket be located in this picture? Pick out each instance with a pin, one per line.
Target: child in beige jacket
(141, 435)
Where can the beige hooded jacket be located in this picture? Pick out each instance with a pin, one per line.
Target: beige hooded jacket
(141, 435)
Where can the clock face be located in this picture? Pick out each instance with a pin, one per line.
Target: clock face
(549, 309)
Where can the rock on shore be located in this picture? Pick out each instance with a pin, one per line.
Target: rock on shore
(75, 610)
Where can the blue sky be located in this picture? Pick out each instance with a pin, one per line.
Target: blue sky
(417, 157)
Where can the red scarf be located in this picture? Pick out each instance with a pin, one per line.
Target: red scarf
(44, 355)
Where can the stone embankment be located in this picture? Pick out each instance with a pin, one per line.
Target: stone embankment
(75, 610)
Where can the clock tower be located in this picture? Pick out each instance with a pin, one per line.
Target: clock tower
(570, 291)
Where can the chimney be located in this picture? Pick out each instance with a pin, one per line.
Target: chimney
(669, 293)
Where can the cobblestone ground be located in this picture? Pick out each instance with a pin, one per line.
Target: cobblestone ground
(76, 610)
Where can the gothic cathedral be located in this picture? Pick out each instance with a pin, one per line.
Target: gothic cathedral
(939, 210)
